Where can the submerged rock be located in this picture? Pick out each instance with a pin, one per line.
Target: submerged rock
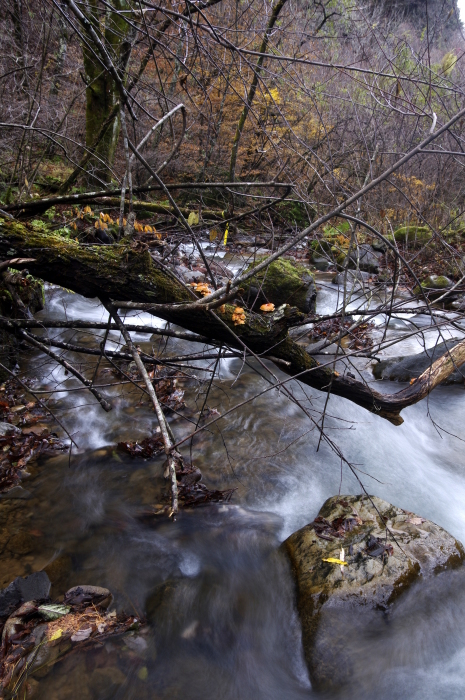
(403, 369)
(381, 564)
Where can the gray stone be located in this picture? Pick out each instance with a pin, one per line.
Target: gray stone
(9, 429)
(364, 258)
(33, 587)
(16, 492)
(321, 264)
(405, 368)
(386, 550)
(353, 277)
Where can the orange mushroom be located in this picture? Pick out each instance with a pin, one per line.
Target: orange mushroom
(238, 316)
(266, 308)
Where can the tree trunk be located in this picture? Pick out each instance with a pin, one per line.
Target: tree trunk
(102, 94)
(120, 273)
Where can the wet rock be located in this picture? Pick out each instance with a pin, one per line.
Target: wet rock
(9, 429)
(321, 264)
(364, 258)
(33, 587)
(403, 369)
(95, 595)
(353, 277)
(282, 283)
(379, 245)
(381, 566)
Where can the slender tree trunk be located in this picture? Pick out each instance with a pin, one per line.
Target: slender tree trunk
(102, 94)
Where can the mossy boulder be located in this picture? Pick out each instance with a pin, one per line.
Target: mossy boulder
(412, 234)
(437, 283)
(386, 550)
(282, 282)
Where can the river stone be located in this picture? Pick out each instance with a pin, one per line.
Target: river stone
(9, 429)
(282, 283)
(364, 258)
(33, 587)
(380, 568)
(403, 369)
(353, 277)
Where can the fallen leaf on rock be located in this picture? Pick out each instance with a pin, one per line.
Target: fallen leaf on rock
(56, 635)
(333, 560)
(81, 635)
(52, 611)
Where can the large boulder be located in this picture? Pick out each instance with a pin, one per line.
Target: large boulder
(386, 550)
(418, 235)
(282, 282)
(403, 369)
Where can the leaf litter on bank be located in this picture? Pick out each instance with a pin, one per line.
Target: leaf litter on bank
(29, 644)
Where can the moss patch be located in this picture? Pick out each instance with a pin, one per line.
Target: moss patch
(282, 283)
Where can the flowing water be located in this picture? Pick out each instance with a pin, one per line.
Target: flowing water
(217, 592)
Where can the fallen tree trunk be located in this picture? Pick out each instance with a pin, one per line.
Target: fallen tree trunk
(119, 272)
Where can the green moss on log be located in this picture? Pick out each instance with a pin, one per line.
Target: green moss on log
(282, 283)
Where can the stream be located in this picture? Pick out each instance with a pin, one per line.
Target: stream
(217, 592)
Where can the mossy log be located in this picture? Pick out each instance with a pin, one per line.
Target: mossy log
(119, 272)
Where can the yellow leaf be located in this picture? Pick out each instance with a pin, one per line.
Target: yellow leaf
(193, 218)
(147, 229)
(226, 231)
(97, 224)
(102, 216)
(333, 560)
(56, 635)
(213, 235)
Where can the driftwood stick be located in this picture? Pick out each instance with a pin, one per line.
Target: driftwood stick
(171, 454)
